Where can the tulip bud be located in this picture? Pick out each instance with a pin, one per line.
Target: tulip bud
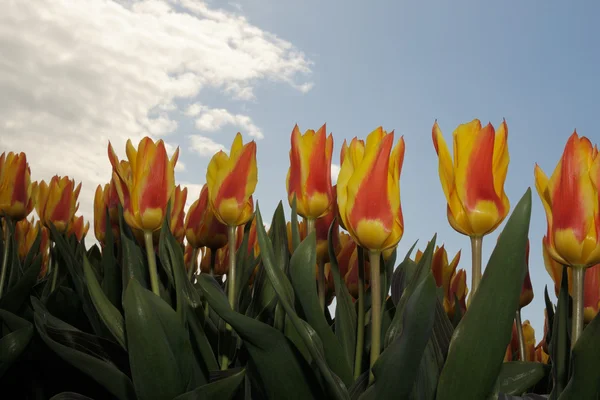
(78, 228)
(16, 201)
(442, 270)
(529, 337)
(146, 188)
(474, 182)
(56, 203)
(26, 232)
(458, 290)
(368, 191)
(307, 178)
(570, 198)
(202, 228)
(177, 214)
(231, 180)
(105, 199)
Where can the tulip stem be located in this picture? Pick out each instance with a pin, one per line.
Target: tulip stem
(321, 285)
(374, 258)
(476, 246)
(578, 284)
(519, 323)
(151, 262)
(5, 255)
(192, 266)
(310, 225)
(230, 285)
(360, 334)
(54, 262)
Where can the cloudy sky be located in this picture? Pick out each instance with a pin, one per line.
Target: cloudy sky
(76, 74)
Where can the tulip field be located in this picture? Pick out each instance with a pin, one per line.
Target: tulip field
(209, 303)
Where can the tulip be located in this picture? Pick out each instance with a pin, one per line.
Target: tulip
(177, 215)
(368, 197)
(591, 293)
(458, 290)
(202, 228)
(529, 334)
(526, 296)
(26, 232)
(301, 231)
(571, 197)
(144, 190)
(78, 228)
(308, 178)
(540, 355)
(56, 203)
(443, 271)
(190, 259)
(16, 201)
(106, 200)
(322, 226)
(220, 266)
(554, 269)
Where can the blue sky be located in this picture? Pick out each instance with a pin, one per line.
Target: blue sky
(88, 72)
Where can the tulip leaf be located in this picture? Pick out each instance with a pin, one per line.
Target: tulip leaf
(302, 271)
(160, 353)
(13, 343)
(15, 297)
(295, 228)
(133, 259)
(283, 372)
(112, 284)
(69, 396)
(200, 342)
(402, 275)
(516, 377)
(108, 313)
(223, 389)
(405, 351)
(84, 351)
(585, 376)
(560, 343)
(477, 349)
(345, 314)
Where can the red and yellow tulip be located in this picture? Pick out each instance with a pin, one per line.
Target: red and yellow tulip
(474, 182)
(458, 290)
(309, 177)
(16, 199)
(105, 199)
(231, 181)
(26, 232)
(56, 203)
(591, 293)
(571, 199)
(202, 228)
(368, 191)
(78, 228)
(176, 222)
(442, 270)
(146, 187)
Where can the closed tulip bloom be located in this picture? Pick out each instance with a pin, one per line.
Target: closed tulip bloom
(526, 296)
(474, 182)
(16, 200)
(308, 178)
(231, 181)
(458, 290)
(529, 336)
(146, 188)
(571, 199)
(442, 270)
(26, 233)
(78, 228)
(358, 150)
(106, 198)
(591, 293)
(202, 228)
(56, 203)
(177, 215)
(368, 191)
(540, 355)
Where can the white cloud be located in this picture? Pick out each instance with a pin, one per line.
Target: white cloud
(335, 171)
(213, 119)
(204, 146)
(80, 73)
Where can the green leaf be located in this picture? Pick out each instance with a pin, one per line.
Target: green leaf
(13, 299)
(223, 389)
(284, 373)
(69, 396)
(560, 343)
(15, 341)
(516, 377)
(160, 353)
(585, 376)
(477, 349)
(112, 284)
(302, 271)
(402, 275)
(345, 314)
(133, 259)
(200, 341)
(294, 224)
(109, 314)
(404, 353)
(82, 350)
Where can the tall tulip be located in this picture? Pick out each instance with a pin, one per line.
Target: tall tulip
(368, 197)
(177, 215)
(571, 199)
(308, 178)
(106, 200)
(474, 182)
(56, 203)
(16, 201)
(145, 189)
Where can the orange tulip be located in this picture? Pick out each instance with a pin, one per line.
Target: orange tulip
(308, 178)
(526, 296)
(105, 199)
(322, 226)
(529, 336)
(368, 191)
(458, 290)
(474, 183)
(16, 200)
(147, 186)
(177, 214)
(202, 228)
(231, 180)
(26, 232)
(591, 293)
(78, 228)
(442, 270)
(571, 199)
(56, 203)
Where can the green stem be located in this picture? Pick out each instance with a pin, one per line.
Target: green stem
(578, 282)
(476, 246)
(522, 350)
(151, 262)
(54, 262)
(231, 277)
(360, 333)
(5, 255)
(192, 267)
(321, 285)
(310, 225)
(213, 261)
(374, 258)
